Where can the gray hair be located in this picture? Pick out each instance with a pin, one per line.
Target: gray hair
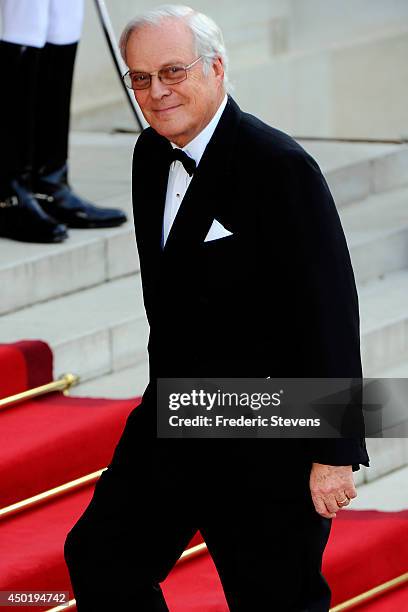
(207, 36)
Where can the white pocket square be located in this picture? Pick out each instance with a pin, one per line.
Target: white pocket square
(217, 231)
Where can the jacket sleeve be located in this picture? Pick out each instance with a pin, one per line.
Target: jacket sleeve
(321, 281)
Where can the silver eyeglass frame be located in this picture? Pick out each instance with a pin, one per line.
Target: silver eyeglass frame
(157, 73)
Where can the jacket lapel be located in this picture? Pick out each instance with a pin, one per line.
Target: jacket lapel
(155, 192)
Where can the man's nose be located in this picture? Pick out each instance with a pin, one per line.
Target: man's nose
(157, 88)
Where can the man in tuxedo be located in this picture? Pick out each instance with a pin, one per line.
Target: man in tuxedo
(245, 273)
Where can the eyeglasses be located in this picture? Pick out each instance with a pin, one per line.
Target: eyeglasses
(170, 75)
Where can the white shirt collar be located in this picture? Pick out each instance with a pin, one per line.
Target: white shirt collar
(196, 147)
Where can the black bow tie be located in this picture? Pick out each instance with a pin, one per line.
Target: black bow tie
(188, 162)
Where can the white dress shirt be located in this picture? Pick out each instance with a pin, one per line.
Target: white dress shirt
(179, 179)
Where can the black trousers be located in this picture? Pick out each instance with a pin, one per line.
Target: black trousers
(266, 541)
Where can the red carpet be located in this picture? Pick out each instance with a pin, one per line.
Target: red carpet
(55, 439)
(44, 443)
(366, 548)
(194, 586)
(34, 541)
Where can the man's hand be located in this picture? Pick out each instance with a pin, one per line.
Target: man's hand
(330, 484)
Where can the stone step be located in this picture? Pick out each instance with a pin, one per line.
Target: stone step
(386, 455)
(33, 273)
(92, 332)
(129, 382)
(377, 234)
(354, 171)
(386, 493)
(392, 452)
(384, 322)
(399, 370)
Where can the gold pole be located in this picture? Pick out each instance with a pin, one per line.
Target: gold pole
(371, 594)
(192, 552)
(62, 384)
(71, 605)
(30, 502)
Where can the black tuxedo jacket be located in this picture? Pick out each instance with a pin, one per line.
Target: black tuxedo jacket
(276, 298)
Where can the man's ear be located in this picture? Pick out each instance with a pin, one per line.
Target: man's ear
(218, 67)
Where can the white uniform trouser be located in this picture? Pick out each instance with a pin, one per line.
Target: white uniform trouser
(35, 22)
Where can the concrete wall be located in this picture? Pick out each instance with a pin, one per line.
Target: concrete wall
(315, 24)
(356, 91)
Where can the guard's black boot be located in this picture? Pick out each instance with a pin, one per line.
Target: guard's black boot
(23, 219)
(57, 199)
(51, 177)
(21, 216)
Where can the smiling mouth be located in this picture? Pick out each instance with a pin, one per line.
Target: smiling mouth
(166, 110)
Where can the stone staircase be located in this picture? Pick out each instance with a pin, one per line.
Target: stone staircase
(84, 296)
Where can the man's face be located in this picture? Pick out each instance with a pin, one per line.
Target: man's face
(178, 111)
